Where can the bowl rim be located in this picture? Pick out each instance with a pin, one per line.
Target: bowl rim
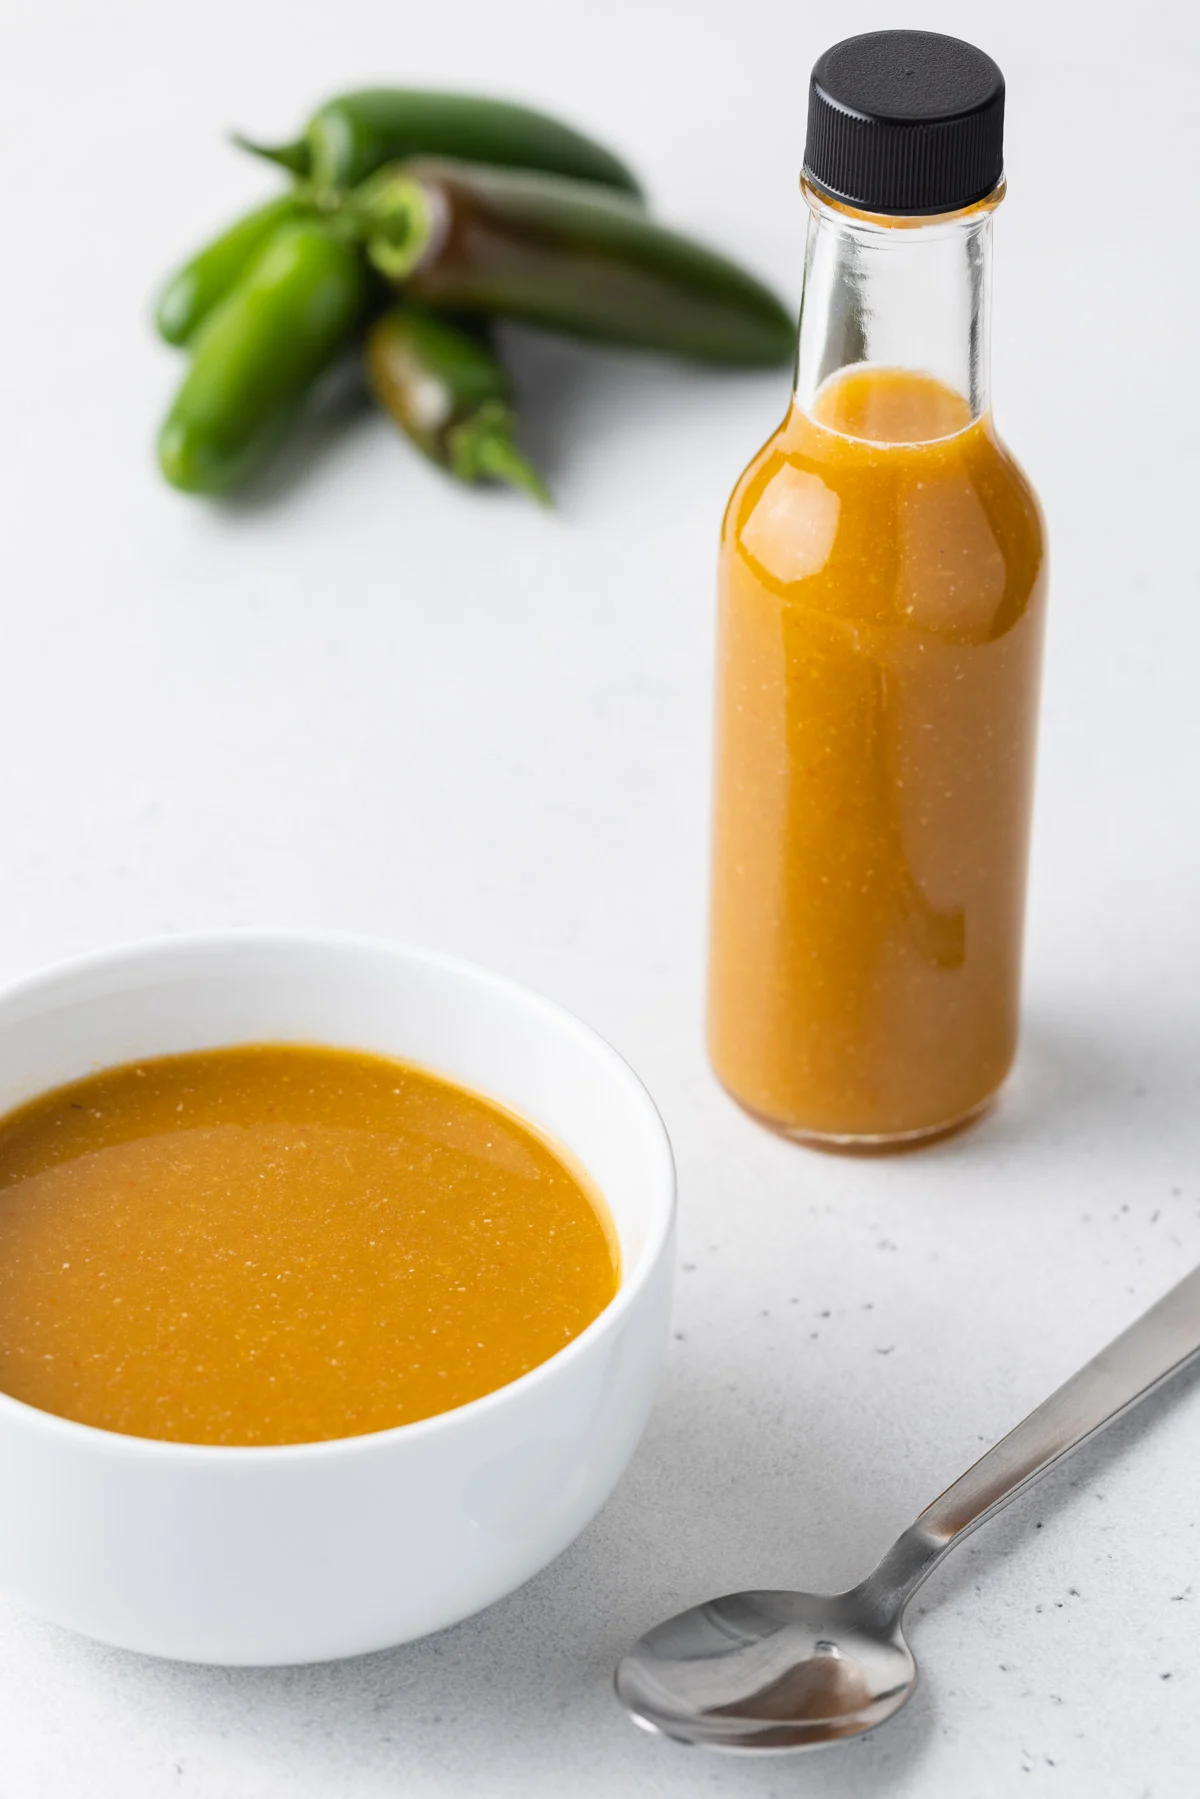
(142, 950)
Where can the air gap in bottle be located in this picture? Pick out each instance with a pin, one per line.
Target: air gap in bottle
(883, 579)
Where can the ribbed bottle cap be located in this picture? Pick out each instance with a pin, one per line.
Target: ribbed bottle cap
(905, 122)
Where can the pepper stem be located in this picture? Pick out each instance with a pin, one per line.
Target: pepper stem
(398, 219)
(297, 157)
(483, 446)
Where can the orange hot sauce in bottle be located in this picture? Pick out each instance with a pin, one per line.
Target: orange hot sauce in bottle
(882, 596)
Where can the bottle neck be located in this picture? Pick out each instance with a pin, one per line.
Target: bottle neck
(898, 293)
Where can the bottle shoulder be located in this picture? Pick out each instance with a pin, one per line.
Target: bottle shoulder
(949, 532)
(762, 456)
(1019, 485)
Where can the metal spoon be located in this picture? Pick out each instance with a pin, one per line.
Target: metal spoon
(766, 1670)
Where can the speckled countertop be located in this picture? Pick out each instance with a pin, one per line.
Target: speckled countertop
(364, 700)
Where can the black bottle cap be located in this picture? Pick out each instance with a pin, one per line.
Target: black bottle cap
(905, 122)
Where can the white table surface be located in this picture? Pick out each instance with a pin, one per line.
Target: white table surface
(362, 698)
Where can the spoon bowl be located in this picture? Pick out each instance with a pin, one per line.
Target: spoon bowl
(768, 1670)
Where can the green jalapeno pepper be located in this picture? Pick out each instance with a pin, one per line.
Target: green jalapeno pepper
(565, 255)
(351, 136)
(192, 291)
(259, 352)
(451, 395)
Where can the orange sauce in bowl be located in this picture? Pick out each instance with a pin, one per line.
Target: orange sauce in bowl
(283, 1244)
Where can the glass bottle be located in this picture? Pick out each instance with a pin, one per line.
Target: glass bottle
(882, 595)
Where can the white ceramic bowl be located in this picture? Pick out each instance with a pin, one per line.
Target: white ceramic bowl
(306, 1552)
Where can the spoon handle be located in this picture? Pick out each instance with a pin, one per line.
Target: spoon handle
(1161, 1343)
